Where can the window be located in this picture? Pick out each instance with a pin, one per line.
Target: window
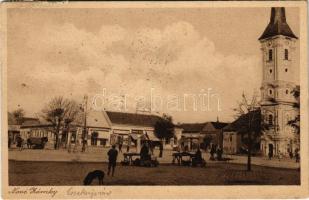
(270, 92)
(286, 91)
(270, 55)
(286, 70)
(270, 119)
(270, 71)
(286, 54)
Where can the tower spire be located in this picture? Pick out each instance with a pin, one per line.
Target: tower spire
(277, 24)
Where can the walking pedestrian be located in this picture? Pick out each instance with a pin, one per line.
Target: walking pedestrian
(112, 159)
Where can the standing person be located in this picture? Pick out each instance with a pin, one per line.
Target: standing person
(120, 146)
(270, 154)
(19, 142)
(297, 157)
(10, 141)
(279, 155)
(112, 158)
(144, 152)
(151, 147)
(120, 142)
(291, 154)
(129, 144)
(161, 150)
(219, 153)
(212, 152)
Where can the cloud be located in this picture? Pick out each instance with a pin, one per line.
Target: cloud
(176, 59)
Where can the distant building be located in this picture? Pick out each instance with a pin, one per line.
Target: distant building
(193, 134)
(15, 127)
(214, 130)
(98, 130)
(235, 134)
(278, 44)
(132, 128)
(105, 128)
(38, 129)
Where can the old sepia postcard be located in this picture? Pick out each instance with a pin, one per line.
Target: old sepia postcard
(169, 100)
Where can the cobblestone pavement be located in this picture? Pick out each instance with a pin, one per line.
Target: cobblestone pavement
(99, 154)
(25, 173)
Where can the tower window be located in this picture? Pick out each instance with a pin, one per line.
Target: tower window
(286, 54)
(270, 92)
(270, 71)
(270, 54)
(286, 70)
(270, 119)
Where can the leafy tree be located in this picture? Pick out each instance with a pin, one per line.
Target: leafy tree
(59, 112)
(18, 115)
(295, 123)
(249, 122)
(164, 129)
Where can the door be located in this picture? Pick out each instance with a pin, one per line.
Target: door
(270, 149)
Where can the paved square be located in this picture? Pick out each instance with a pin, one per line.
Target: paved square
(72, 173)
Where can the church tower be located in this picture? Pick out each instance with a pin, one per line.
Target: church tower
(278, 44)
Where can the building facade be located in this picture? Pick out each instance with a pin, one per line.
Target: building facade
(195, 135)
(231, 142)
(278, 44)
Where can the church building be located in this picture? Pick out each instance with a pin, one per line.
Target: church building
(278, 45)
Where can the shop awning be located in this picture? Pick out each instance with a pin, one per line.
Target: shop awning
(151, 136)
(103, 135)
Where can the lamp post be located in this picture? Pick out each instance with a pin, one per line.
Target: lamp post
(57, 132)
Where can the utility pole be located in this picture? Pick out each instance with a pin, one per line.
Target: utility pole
(84, 135)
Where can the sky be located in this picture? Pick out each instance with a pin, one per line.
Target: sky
(140, 58)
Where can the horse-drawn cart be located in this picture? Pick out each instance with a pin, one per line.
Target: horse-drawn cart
(135, 159)
(36, 142)
(188, 159)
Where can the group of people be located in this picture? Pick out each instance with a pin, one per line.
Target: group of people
(20, 142)
(216, 150)
(296, 155)
(145, 154)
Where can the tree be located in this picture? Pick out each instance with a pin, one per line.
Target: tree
(164, 129)
(249, 122)
(18, 115)
(59, 112)
(295, 123)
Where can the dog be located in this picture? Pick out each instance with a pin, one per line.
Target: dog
(93, 175)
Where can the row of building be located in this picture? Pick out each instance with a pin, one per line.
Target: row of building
(105, 128)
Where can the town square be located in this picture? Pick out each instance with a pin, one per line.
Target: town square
(175, 96)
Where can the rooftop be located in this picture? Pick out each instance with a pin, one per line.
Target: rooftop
(277, 24)
(132, 118)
